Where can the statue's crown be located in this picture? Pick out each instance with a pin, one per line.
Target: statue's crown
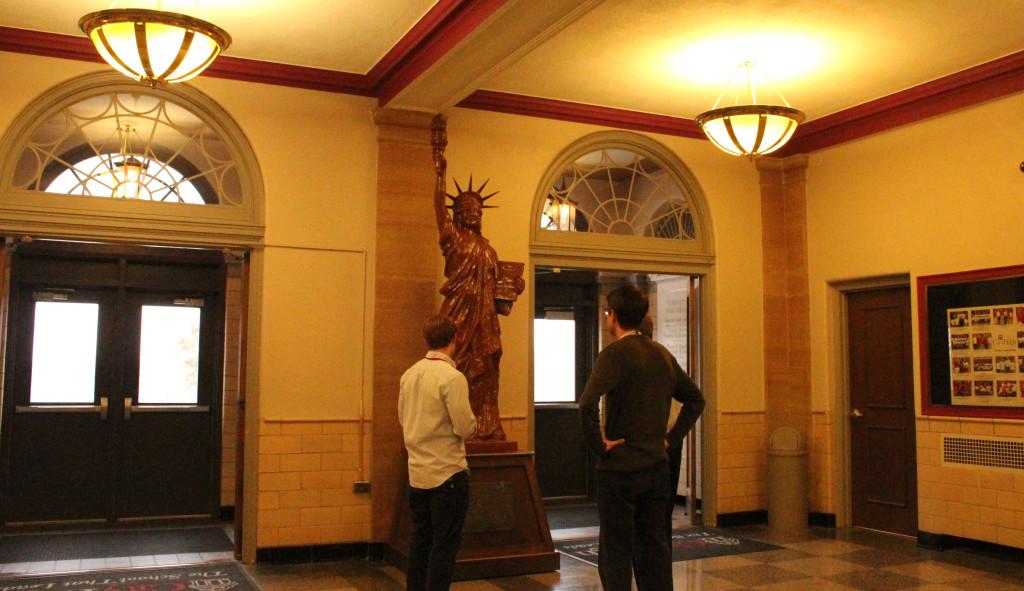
(471, 193)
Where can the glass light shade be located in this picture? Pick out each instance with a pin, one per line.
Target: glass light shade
(750, 130)
(128, 178)
(154, 46)
(559, 215)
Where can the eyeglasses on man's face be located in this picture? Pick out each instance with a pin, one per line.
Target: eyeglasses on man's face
(607, 312)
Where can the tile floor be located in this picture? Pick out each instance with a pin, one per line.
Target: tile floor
(820, 560)
(87, 564)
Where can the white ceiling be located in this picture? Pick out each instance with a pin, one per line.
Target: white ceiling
(674, 57)
(344, 35)
(668, 57)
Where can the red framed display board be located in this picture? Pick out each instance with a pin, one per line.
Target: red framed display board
(971, 329)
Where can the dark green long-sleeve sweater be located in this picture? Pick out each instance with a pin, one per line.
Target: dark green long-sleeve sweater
(639, 377)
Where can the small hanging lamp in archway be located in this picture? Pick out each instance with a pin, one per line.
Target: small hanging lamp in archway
(749, 128)
(154, 46)
(127, 175)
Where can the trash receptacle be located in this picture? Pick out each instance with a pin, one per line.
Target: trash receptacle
(787, 481)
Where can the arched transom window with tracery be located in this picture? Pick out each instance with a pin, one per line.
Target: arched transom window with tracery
(103, 158)
(618, 191)
(129, 145)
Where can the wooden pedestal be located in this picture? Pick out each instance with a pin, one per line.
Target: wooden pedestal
(506, 530)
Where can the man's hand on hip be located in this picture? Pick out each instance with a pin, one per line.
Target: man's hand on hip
(609, 444)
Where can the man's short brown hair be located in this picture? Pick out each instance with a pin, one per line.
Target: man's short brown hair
(629, 304)
(438, 330)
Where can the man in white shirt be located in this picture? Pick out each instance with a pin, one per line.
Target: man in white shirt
(436, 418)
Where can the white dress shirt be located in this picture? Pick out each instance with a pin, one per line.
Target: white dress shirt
(436, 418)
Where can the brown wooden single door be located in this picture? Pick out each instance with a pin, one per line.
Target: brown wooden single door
(881, 414)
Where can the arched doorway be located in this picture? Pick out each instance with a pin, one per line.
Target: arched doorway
(616, 207)
(123, 204)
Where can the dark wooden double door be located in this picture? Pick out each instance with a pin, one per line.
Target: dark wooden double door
(111, 406)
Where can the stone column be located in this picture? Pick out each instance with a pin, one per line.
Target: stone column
(406, 269)
(786, 304)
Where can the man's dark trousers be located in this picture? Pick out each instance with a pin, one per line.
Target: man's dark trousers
(438, 515)
(675, 463)
(631, 506)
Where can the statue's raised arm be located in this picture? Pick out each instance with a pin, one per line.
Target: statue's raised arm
(438, 142)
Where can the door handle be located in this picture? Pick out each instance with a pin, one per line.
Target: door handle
(856, 413)
(104, 405)
(127, 408)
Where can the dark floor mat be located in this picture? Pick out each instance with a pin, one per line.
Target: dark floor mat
(572, 516)
(213, 577)
(687, 544)
(106, 544)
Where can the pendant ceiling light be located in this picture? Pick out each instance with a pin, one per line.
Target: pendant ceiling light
(748, 128)
(559, 214)
(127, 174)
(154, 46)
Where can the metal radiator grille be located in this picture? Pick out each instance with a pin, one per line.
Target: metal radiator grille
(988, 452)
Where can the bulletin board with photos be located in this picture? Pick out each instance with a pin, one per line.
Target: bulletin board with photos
(972, 343)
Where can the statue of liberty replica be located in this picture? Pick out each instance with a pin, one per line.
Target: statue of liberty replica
(477, 288)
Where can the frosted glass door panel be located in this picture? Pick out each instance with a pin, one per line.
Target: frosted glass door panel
(554, 361)
(169, 355)
(64, 353)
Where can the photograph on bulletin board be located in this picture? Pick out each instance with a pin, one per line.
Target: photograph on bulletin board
(971, 327)
(986, 355)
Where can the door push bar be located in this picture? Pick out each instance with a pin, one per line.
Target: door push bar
(101, 408)
(130, 409)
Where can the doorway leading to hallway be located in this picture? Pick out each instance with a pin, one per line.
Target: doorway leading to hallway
(112, 385)
(568, 333)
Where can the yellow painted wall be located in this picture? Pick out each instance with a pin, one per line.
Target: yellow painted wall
(515, 152)
(311, 353)
(318, 154)
(938, 196)
(25, 77)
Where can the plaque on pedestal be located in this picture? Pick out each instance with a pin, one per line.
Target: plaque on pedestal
(506, 530)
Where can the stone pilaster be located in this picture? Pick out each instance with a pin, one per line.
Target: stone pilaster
(406, 264)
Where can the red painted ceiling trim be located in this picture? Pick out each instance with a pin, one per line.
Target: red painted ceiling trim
(234, 68)
(48, 44)
(965, 88)
(443, 27)
(451, 20)
(517, 104)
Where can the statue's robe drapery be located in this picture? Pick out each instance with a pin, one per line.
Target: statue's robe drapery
(471, 274)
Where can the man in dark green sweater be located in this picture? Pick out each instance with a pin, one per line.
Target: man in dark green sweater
(638, 378)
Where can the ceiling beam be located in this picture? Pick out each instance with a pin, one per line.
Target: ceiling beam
(444, 26)
(436, 80)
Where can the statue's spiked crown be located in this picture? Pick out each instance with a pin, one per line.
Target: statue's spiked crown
(471, 194)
